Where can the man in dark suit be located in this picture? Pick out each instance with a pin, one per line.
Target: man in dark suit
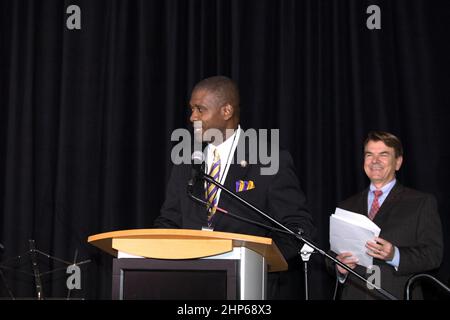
(410, 241)
(215, 102)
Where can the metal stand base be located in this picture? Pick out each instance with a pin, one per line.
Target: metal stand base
(36, 274)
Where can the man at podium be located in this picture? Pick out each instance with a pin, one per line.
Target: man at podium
(215, 104)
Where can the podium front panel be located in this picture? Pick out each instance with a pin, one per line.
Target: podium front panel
(239, 274)
(154, 279)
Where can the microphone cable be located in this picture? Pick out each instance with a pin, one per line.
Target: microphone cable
(203, 202)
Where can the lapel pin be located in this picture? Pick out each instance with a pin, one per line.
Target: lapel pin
(243, 163)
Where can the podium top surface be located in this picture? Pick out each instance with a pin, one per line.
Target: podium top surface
(186, 244)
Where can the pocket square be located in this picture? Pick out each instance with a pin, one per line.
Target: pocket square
(242, 185)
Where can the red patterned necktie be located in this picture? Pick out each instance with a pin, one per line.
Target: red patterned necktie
(375, 204)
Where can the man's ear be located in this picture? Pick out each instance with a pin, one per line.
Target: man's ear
(398, 163)
(227, 111)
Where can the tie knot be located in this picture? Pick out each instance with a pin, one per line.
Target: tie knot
(377, 193)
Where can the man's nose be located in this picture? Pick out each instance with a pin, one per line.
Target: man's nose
(194, 116)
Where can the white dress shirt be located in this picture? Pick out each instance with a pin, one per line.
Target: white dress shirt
(226, 151)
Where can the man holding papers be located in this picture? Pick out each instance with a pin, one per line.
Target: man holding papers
(410, 236)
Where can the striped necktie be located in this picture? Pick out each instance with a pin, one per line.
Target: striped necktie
(211, 190)
(375, 204)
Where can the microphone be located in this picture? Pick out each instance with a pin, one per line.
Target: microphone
(198, 167)
(198, 160)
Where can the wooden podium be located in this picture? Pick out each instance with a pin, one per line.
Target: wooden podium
(189, 264)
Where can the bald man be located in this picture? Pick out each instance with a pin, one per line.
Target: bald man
(215, 103)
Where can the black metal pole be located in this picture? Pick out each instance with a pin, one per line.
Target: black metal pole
(306, 280)
(36, 273)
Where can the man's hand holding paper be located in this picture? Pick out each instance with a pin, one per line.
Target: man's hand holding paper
(380, 249)
(350, 233)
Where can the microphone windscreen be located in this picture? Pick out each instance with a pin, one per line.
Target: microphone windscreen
(198, 157)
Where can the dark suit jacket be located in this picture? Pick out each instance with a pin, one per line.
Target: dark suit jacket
(278, 195)
(408, 219)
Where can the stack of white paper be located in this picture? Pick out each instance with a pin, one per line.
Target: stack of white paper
(349, 232)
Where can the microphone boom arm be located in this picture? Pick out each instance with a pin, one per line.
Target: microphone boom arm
(299, 236)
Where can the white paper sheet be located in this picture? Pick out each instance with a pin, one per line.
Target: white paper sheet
(349, 231)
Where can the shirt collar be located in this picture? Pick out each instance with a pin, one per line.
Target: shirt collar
(386, 188)
(225, 147)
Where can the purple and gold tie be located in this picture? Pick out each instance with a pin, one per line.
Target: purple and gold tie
(211, 190)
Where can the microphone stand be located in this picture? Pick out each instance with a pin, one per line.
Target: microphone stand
(33, 254)
(305, 253)
(299, 236)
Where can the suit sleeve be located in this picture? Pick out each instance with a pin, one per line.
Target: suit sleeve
(287, 203)
(428, 252)
(170, 215)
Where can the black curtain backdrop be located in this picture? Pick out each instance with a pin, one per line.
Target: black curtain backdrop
(86, 115)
